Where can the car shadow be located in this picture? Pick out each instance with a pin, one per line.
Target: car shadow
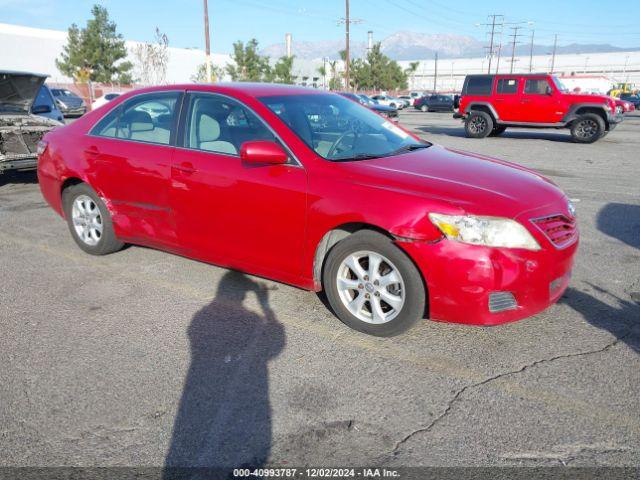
(224, 417)
(28, 177)
(621, 221)
(621, 320)
(531, 135)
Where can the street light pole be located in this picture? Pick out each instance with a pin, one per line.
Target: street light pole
(347, 62)
(206, 40)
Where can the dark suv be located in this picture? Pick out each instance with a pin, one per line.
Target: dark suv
(489, 104)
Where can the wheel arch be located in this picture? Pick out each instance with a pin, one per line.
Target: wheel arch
(483, 107)
(339, 233)
(578, 110)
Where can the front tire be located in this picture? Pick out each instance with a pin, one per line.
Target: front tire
(373, 286)
(478, 124)
(587, 128)
(424, 108)
(89, 220)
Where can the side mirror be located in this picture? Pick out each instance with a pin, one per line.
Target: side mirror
(263, 152)
(37, 109)
(549, 90)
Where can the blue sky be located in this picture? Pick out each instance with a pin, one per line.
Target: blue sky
(584, 21)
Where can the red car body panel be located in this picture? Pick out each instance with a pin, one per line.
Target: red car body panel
(270, 219)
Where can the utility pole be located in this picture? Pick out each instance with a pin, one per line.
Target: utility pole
(531, 52)
(553, 55)
(347, 60)
(206, 40)
(513, 46)
(435, 75)
(495, 23)
(499, 53)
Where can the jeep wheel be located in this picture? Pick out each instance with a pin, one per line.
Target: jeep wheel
(497, 130)
(587, 128)
(478, 124)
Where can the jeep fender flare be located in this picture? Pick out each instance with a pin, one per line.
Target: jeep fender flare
(598, 108)
(484, 106)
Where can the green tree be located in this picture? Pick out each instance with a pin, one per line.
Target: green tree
(96, 51)
(282, 71)
(335, 83)
(249, 65)
(379, 72)
(201, 74)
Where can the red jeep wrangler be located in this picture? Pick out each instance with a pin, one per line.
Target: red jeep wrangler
(491, 103)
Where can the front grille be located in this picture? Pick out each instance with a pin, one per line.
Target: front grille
(501, 301)
(559, 229)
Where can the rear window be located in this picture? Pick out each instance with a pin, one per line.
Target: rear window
(507, 85)
(479, 85)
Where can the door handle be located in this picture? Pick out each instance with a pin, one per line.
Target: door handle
(92, 151)
(185, 167)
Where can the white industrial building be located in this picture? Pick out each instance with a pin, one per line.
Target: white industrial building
(35, 49)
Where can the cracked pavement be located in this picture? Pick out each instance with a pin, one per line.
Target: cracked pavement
(145, 358)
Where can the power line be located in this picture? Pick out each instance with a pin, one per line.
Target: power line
(496, 21)
(515, 36)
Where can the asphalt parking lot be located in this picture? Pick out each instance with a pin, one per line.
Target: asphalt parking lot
(145, 358)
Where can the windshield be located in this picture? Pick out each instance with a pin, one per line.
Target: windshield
(561, 86)
(338, 129)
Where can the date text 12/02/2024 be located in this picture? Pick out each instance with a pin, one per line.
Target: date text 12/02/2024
(315, 473)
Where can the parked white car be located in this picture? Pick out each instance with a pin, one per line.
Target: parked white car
(103, 100)
(388, 101)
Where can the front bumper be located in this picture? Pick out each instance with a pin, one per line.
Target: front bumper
(18, 162)
(74, 110)
(461, 279)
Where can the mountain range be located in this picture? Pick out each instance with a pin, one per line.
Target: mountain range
(417, 46)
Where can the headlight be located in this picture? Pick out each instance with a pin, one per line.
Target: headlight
(487, 231)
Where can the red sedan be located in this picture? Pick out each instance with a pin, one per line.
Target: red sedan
(314, 190)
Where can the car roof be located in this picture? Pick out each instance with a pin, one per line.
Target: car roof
(247, 88)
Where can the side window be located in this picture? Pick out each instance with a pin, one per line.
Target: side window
(479, 85)
(145, 118)
(536, 86)
(507, 86)
(219, 124)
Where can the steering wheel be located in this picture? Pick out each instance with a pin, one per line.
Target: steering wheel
(334, 147)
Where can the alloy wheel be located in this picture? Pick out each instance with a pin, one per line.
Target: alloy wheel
(586, 129)
(87, 220)
(370, 287)
(477, 125)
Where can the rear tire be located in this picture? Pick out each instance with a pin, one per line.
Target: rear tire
(89, 220)
(424, 108)
(587, 128)
(381, 273)
(478, 124)
(497, 130)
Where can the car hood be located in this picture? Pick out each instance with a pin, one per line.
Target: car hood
(474, 183)
(18, 91)
(583, 98)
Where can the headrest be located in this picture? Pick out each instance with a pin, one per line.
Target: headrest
(164, 120)
(138, 121)
(208, 128)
